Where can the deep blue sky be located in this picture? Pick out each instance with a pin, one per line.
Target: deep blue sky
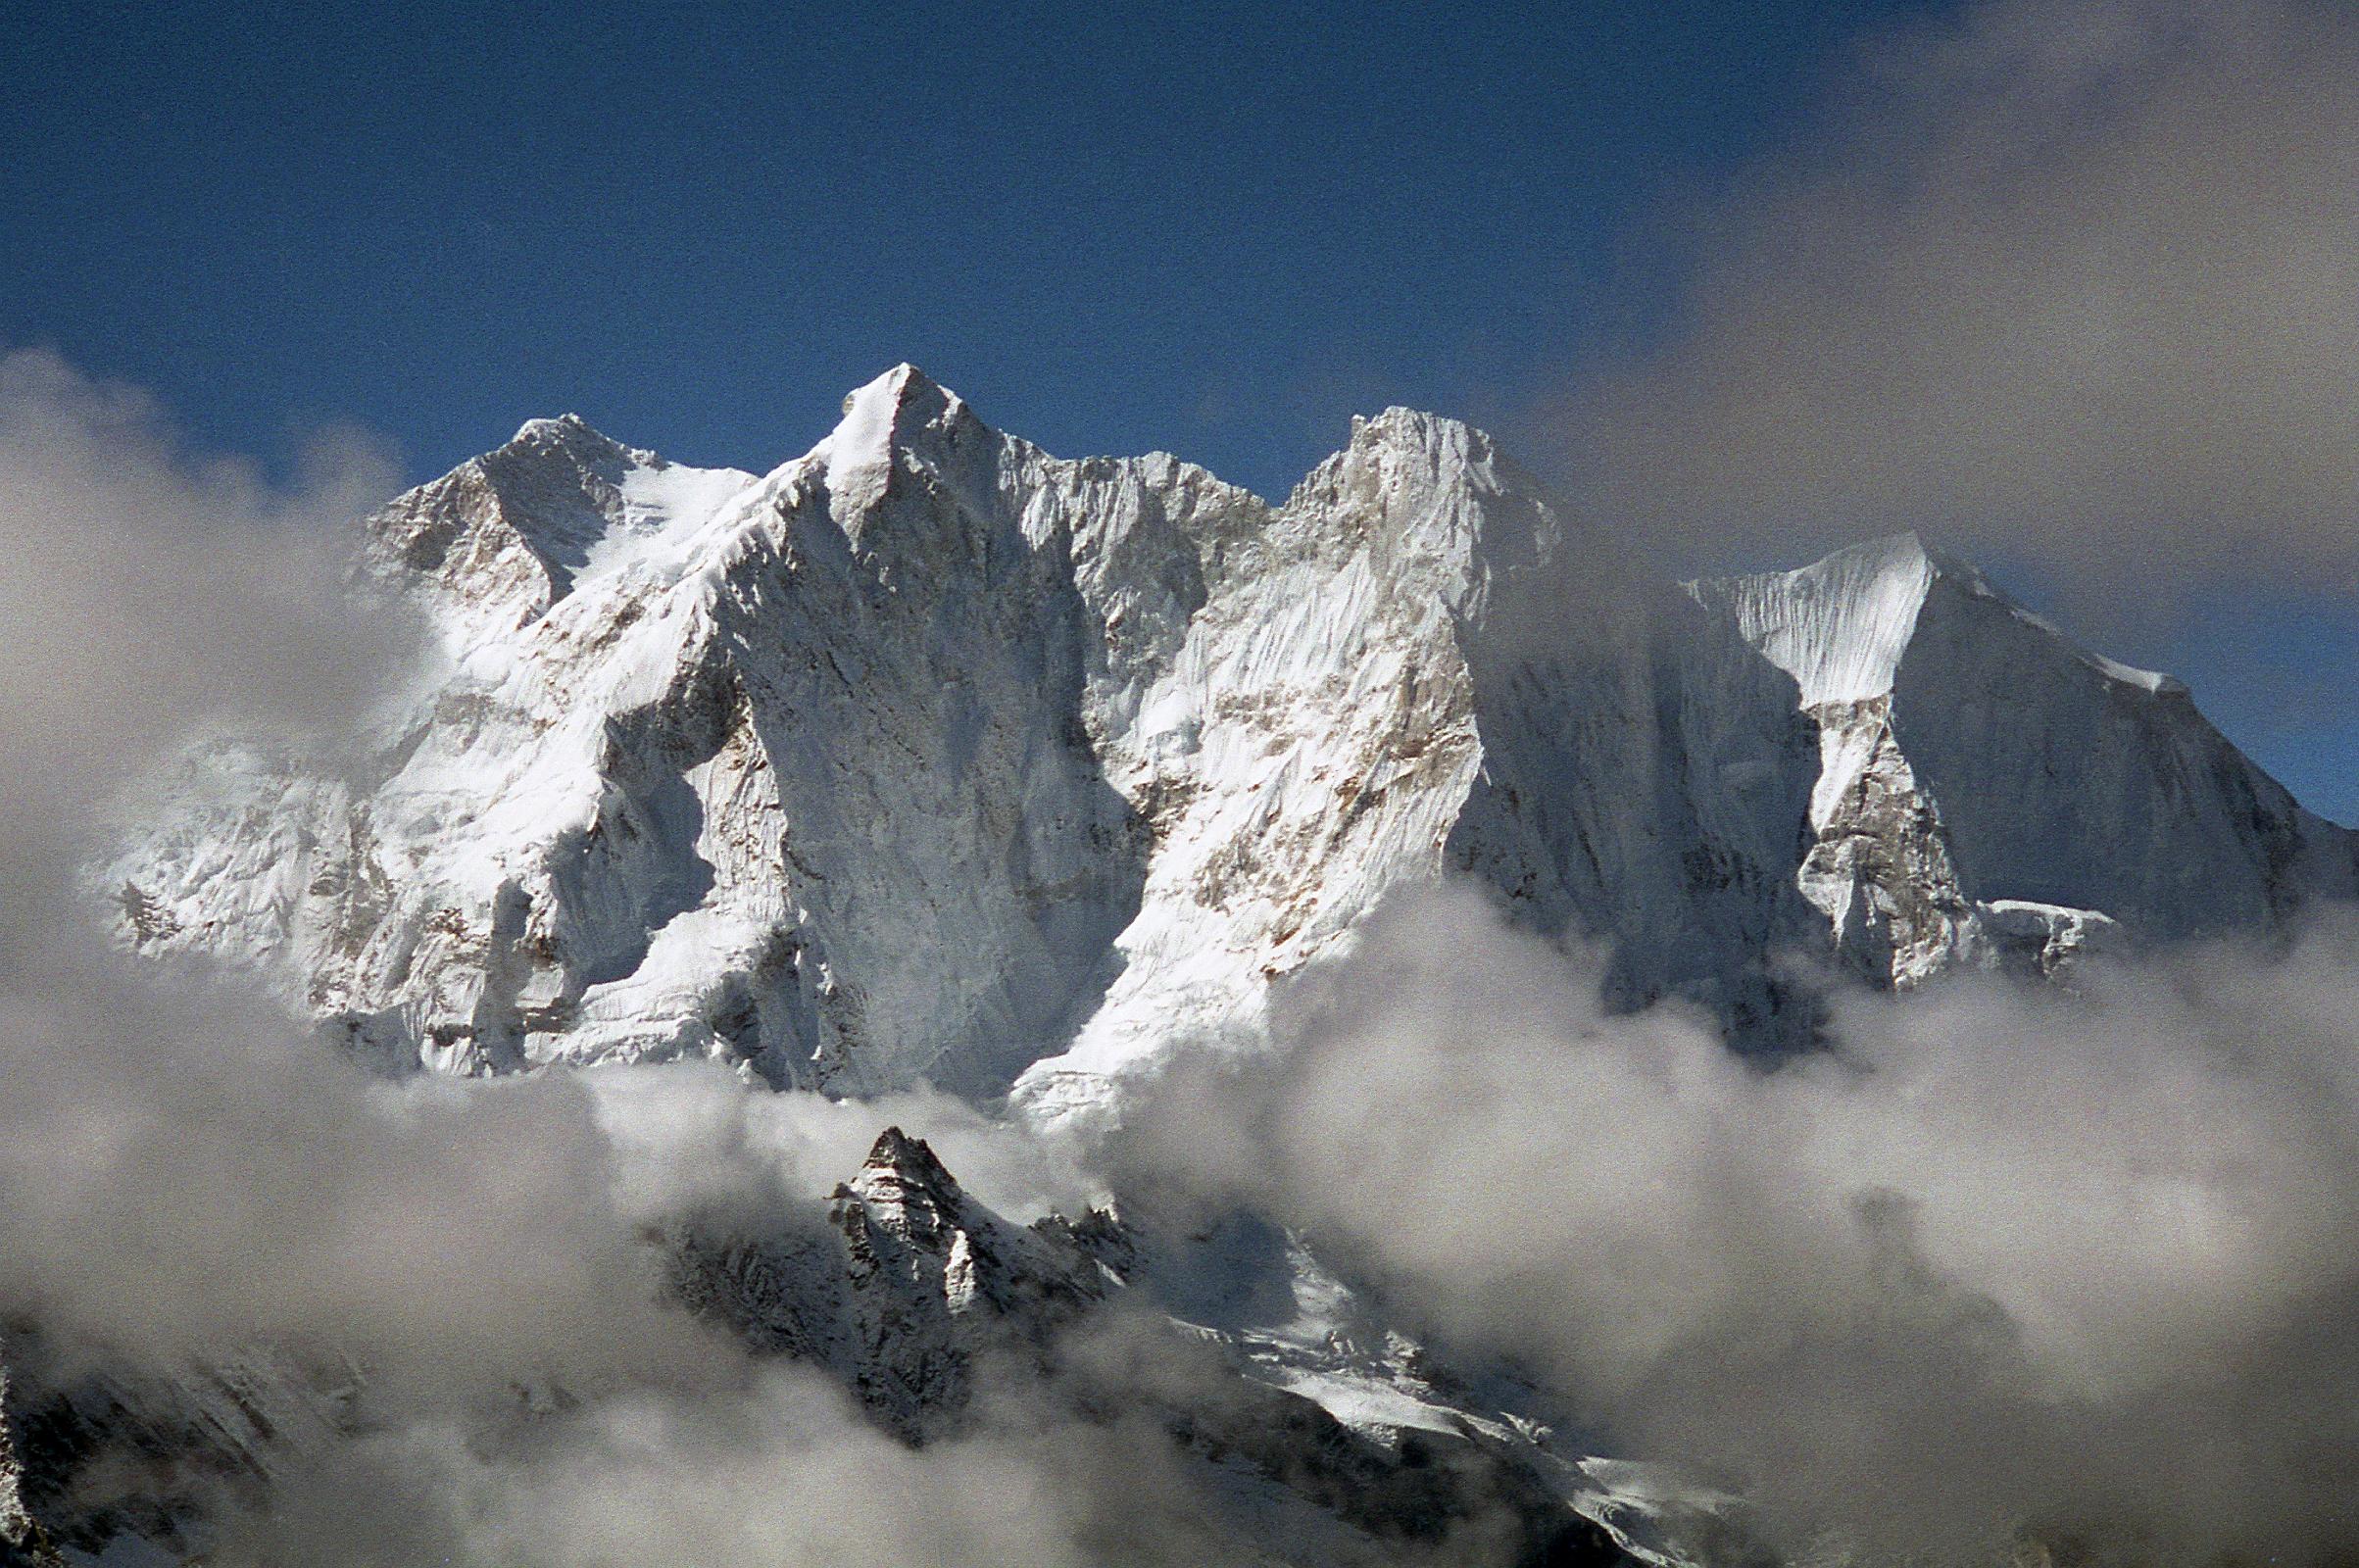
(1209, 232)
(1217, 231)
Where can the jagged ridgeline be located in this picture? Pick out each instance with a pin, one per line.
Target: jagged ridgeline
(929, 756)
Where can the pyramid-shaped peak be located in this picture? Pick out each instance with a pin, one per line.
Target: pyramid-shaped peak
(1904, 555)
(903, 411)
(1840, 625)
(903, 381)
(897, 405)
(903, 1187)
(893, 1146)
(563, 446)
(1904, 547)
(911, 1159)
(566, 429)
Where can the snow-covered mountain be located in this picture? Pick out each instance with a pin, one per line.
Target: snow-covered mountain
(929, 756)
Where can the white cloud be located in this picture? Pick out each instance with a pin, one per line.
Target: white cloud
(2003, 1257)
(2077, 285)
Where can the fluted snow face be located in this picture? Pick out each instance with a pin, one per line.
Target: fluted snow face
(1988, 793)
(928, 755)
(1839, 627)
(1310, 741)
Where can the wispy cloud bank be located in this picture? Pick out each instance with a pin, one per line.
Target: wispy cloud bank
(152, 591)
(2073, 285)
(2006, 1260)
(191, 1181)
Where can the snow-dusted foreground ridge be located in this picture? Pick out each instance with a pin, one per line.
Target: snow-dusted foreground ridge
(927, 755)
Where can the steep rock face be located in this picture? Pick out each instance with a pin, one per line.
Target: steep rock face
(928, 755)
(799, 779)
(1314, 737)
(507, 536)
(101, 1458)
(896, 1288)
(1986, 793)
(24, 1539)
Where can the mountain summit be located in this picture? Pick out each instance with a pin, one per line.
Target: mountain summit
(930, 756)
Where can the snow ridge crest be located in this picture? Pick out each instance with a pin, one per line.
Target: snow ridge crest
(933, 755)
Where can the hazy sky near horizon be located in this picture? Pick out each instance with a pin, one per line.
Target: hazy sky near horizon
(1215, 230)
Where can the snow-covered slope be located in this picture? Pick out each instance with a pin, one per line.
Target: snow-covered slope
(1985, 792)
(929, 756)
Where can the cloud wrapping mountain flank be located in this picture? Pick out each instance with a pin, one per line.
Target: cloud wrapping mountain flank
(153, 595)
(783, 1469)
(186, 1171)
(407, 1146)
(2005, 1260)
(192, 1182)
(1361, 891)
(2075, 286)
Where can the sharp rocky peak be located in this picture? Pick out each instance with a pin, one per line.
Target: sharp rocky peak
(565, 427)
(904, 1171)
(1399, 445)
(1397, 465)
(904, 390)
(570, 439)
(897, 1152)
(1403, 428)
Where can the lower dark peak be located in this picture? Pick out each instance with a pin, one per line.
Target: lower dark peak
(895, 1151)
(904, 1169)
